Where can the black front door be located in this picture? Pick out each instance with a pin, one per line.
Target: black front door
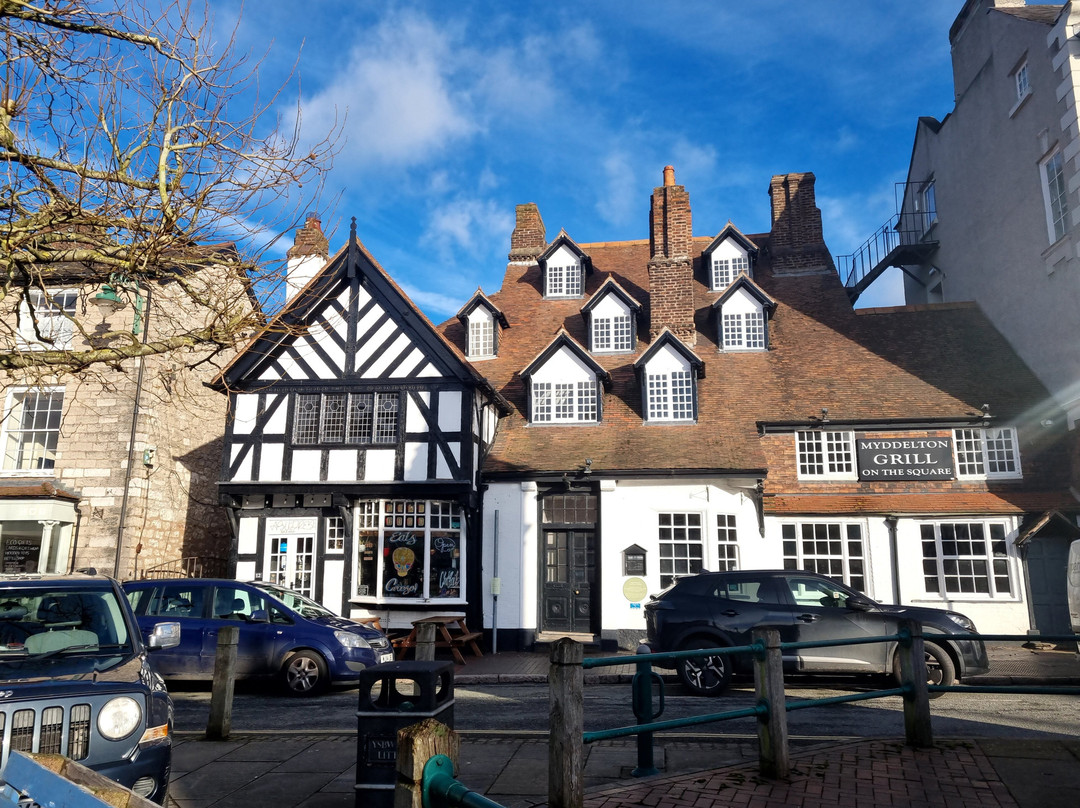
(569, 575)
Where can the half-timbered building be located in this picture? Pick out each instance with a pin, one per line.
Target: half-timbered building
(355, 435)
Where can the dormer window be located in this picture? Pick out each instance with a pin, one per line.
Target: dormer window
(731, 254)
(482, 322)
(564, 384)
(986, 454)
(668, 372)
(611, 314)
(481, 335)
(564, 265)
(743, 317)
(564, 281)
(725, 270)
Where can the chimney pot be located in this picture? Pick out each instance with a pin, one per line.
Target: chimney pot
(669, 175)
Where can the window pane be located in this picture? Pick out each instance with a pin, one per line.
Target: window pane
(32, 429)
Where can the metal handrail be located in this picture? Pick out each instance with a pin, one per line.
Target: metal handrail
(901, 228)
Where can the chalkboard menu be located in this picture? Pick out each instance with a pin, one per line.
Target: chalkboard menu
(21, 554)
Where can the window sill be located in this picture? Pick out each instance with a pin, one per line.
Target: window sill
(1019, 103)
(50, 473)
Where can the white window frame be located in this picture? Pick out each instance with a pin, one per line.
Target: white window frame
(832, 549)
(727, 542)
(42, 440)
(338, 419)
(1023, 82)
(565, 402)
(744, 331)
(1055, 195)
(990, 453)
(612, 334)
(670, 396)
(481, 338)
(563, 280)
(726, 270)
(831, 450)
(55, 322)
(928, 203)
(335, 534)
(681, 544)
(958, 566)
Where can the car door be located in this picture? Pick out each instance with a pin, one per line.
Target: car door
(820, 611)
(742, 602)
(183, 602)
(237, 605)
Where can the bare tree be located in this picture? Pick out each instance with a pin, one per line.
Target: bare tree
(138, 158)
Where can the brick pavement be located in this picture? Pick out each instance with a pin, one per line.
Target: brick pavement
(878, 773)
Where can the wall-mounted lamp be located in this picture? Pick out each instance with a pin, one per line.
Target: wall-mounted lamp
(588, 466)
(110, 300)
(824, 415)
(985, 414)
(107, 300)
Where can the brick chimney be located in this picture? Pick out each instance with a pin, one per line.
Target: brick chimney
(797, 243)
(671, 268)
(307, 255)
(528, 239)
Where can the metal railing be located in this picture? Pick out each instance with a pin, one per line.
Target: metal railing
(900, 230)
(189, 567)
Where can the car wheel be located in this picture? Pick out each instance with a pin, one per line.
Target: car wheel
(705, 676)
(305, 674)
(939, 667)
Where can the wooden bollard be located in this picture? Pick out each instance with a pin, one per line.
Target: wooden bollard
(917, 727)
(566, 746)
(219, 724)
(774, 754)
(416, 744)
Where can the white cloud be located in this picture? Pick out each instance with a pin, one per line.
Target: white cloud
(435, 305)
(469, 224)
(618, 203)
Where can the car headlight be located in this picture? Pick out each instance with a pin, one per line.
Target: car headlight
(350, 640)
(962, 621)
(119, 718)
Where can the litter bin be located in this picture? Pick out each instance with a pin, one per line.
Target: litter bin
(408, 693)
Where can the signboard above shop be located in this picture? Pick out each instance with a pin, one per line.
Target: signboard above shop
(904, 458)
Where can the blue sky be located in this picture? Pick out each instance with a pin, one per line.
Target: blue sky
(455, 112)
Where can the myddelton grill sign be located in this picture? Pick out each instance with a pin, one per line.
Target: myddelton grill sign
(904, 458)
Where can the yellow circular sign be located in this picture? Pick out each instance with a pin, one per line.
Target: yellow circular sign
(635, 589)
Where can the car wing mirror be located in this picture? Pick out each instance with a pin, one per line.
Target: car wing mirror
(860, 603)
(259, 616)
(163, 635)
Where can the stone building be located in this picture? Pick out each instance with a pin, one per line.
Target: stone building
(114, 469)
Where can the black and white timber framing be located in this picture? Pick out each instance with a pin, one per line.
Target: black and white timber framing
(355, 428)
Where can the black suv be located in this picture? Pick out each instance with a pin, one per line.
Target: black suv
(74, 679)
(718, 609)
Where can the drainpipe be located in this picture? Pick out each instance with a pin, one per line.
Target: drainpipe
(894, 552)
(495, 591)
(134, 429)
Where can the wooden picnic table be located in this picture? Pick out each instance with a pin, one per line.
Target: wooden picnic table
(451, 632)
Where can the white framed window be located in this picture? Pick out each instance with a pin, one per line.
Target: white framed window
(744, 331)
(30, 430)
(966, 558)
(681, 546)
(986, 454)
(1055, 195)
(612, 333)
(353, 418)
(834, 549)
(825, 455)
(564, 402)
(670, 396)
(413, 551)
(53, 311)
(726, 270)
(727, 546)
(928, 205)
(1023, 84)
(335, 534)
(564, 281)
(481, 337)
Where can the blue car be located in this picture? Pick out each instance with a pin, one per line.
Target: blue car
(282, 633)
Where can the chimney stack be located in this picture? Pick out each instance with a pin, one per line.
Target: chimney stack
(671, 268)
(797, 242)
(527, 241)
(306, 257)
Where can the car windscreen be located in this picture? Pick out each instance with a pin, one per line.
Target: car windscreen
(42, 621)
(297, 602)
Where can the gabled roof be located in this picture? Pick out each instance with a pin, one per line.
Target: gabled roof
(351, 262)
(563, 240)
(611, 287)
(730, 231)
(561, 341)
(744, 282)
(480, 299)
(667, 339)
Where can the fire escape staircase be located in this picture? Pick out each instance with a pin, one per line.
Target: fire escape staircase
(901, 242)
